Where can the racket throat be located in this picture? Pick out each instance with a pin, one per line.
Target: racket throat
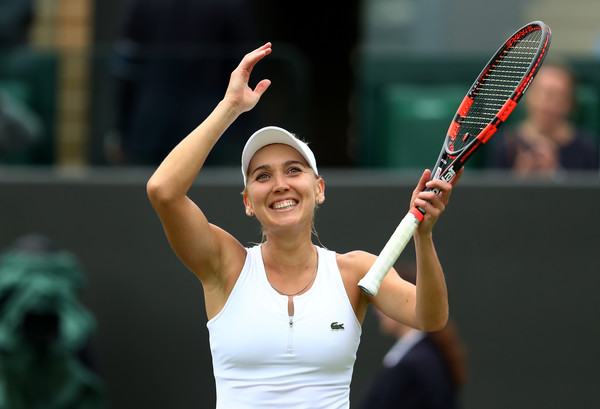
(446, 174)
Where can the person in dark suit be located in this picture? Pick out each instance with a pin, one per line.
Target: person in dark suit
(422, 370)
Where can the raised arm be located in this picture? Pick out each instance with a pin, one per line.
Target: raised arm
(426, 305)
(202, 246)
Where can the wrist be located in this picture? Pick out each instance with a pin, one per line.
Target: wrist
(423, 236)
(230, 107)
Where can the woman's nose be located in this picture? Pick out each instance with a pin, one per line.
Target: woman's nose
(281, 188)
(280, 184)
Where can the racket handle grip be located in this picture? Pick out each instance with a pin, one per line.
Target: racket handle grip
(391, 251)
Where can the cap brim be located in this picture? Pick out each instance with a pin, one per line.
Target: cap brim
(268, 136)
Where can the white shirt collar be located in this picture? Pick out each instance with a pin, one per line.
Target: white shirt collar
(401, 347)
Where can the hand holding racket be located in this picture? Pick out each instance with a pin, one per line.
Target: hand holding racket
(431, 197)
(488, 103)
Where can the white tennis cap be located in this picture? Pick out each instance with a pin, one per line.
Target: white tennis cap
(268, 136)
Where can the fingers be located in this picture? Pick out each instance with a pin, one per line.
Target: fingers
(432, 204)
(425, 177)
(253, 57)
(443, 190)
(434, 200)
(261, 87)
(437, 195)
(420, 186)
(238, 93)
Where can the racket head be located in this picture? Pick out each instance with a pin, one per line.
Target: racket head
(493, 96)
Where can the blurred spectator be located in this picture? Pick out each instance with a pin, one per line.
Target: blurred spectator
(170, 67)
(422, 370)
(547, 140)
(44, 330)
(21, 128)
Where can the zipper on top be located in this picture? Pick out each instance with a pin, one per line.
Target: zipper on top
(290, 344)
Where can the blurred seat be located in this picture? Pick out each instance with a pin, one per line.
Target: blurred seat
(406, 104)
(414, 123)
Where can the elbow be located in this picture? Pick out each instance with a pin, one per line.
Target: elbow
(158, 192)
(435, 324)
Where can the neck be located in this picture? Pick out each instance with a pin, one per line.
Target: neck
(289, 269)
(288, 255)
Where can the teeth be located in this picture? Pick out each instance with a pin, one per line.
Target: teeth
(284, 204)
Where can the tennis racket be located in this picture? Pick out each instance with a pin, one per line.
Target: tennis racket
(490, 100)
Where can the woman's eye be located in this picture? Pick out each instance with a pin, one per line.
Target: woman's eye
(262, 176)
(294, 170)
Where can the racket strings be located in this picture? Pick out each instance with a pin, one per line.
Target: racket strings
(497, 86)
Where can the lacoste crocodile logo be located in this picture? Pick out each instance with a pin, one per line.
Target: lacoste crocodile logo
(336, 325)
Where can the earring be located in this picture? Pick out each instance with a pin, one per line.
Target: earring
(250, 213)
(319, 200)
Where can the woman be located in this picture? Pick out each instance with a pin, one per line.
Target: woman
(295, 307)
(547, 141)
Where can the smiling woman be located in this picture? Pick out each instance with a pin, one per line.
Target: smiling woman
(280, 173)
(296, 307)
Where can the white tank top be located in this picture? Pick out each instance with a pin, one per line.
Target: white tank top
(262, 358)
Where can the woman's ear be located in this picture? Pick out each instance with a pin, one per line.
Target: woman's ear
(320, 194)
(248, 205)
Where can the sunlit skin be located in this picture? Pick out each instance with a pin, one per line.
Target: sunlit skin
(282, 192)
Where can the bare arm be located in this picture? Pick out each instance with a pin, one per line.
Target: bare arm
(424, 306)
(202, 246)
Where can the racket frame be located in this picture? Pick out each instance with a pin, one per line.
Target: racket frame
(450, 162)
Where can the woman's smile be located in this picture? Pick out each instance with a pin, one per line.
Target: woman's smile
(286, 204)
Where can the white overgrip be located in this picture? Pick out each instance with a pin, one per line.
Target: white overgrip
(391, 251)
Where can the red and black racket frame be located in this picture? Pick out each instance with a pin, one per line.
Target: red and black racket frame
(450, 161)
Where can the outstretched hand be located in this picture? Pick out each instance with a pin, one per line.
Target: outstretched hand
(433, 204)
(239, 93)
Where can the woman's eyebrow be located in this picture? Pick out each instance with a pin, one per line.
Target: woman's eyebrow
(285, 164)
(294, 162)
(261, 167)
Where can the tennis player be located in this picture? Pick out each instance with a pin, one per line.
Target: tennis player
(285, 316)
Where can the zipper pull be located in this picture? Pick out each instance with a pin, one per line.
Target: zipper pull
(290, 345)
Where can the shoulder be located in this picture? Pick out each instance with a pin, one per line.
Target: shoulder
(424, 357)
(355, 256)
(584, 139)
(427, 363)
(581, 153)
(355, 263)
(353, 266)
